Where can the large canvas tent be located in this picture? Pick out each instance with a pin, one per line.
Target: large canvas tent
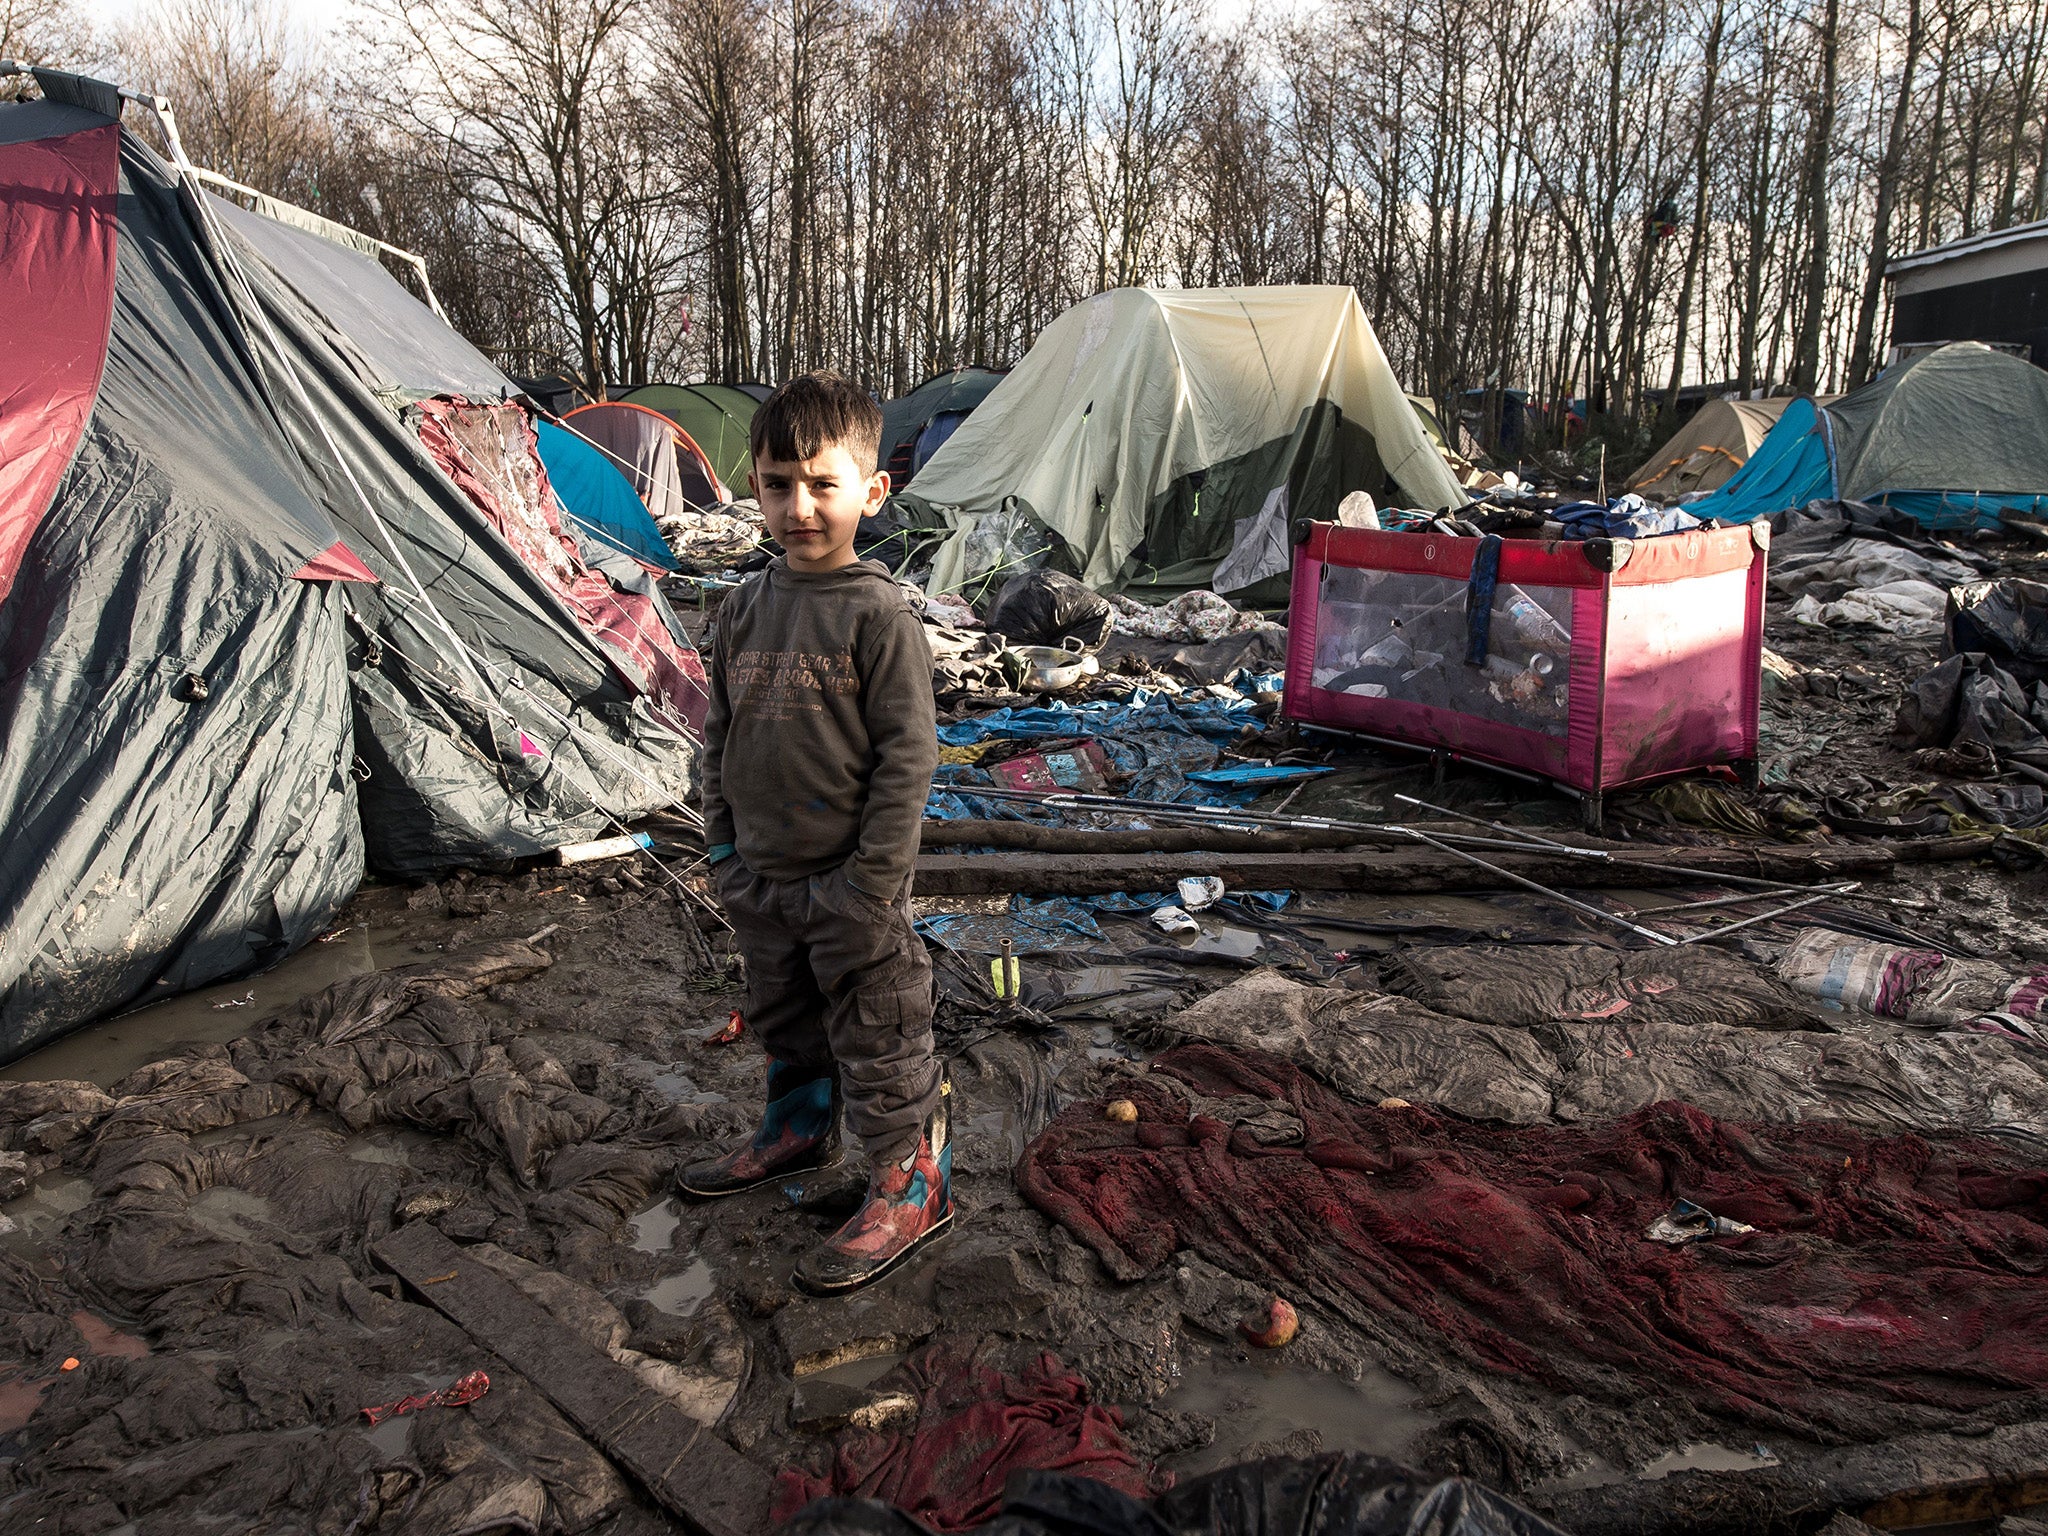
(1956, 438)
(1162, 439)
(1707, 451)
(248, 630)
(718, 419)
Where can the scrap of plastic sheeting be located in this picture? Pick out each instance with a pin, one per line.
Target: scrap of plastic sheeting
(1689, 1223)
(1199, 891)
(1258, 773)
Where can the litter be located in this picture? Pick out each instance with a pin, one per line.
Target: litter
(1688, 1223)
(1173, 920)
(466, 1390)
(1082, 767)
(1200, 891)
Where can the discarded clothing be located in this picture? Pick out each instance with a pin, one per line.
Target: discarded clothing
(1340, 1494)
(1519, 985)
(1371, 1046)
(975, 1427)
(1920, 986)
(1192, 617)
(1625, 517)
(232, 1231)
(1893, 1284)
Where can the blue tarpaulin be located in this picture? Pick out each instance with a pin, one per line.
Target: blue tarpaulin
(599, 498)
(1216, 719)
(1791, 466)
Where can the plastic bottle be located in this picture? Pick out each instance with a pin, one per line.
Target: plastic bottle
(1532, 623)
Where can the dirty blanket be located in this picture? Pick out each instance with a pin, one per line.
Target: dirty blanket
(1892, 1284)
(976, 1426)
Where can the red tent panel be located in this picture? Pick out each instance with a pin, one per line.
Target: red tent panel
(57, 264)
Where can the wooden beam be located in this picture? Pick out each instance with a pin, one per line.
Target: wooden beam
(1377, 873)
(691, 1473)
(1913, 1481)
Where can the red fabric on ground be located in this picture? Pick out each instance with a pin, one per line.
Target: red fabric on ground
(1894, 1282)
(975, 1426)
(57, 266)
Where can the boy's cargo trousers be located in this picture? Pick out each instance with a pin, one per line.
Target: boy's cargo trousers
(834, 974)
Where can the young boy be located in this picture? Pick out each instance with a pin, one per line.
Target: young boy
(819, 751)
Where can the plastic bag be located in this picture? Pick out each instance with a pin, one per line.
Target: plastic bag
(1047, 608)
(2006, 620)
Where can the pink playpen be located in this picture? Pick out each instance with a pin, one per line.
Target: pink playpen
(1607, 662)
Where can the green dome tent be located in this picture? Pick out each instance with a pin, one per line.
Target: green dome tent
(718, 418)
(1165, 439)
(917, 425)
(1956, 437)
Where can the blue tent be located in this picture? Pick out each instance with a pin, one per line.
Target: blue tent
(1793, 465)
(599, 498)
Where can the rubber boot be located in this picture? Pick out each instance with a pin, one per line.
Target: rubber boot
(799, 1133)
(909, 1203)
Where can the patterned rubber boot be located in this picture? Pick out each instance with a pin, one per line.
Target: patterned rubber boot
(909, 1204)
(799, 1133)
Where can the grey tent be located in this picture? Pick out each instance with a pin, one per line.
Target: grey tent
(1955, 437)
(244, 618)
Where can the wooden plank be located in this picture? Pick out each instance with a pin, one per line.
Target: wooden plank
(1096, 874)
(693, 1474)
(1899, 1484)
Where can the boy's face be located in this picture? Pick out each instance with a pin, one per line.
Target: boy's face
(813, 507)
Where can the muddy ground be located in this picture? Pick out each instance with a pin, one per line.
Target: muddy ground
(629, 1015)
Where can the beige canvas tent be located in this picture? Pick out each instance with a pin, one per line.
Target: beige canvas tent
(1710, 447)
(1163, 439)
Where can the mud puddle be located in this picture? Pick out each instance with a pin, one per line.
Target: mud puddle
(681, 1295)
(31, 1221)
(106, 1053)
(1263, 1410)
(1706, 1457)
(654, 1229)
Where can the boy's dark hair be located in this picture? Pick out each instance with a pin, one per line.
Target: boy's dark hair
(813, 412)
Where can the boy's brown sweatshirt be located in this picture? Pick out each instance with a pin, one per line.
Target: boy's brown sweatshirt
(821, 738)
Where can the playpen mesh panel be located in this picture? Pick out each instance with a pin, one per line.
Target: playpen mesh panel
(1391, 635)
